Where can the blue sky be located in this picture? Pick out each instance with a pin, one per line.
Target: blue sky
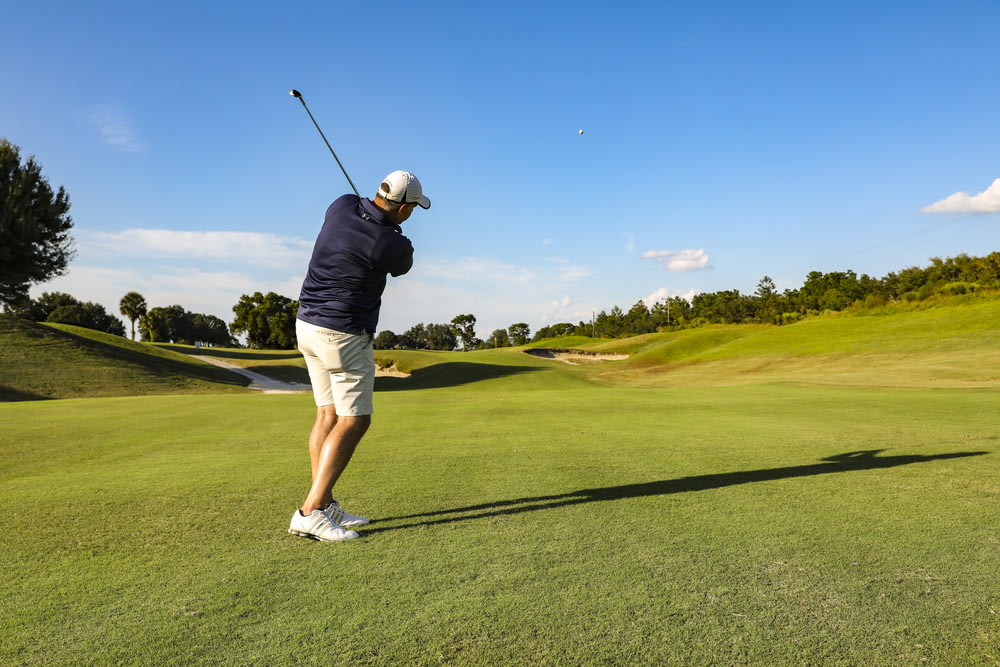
(723, 141)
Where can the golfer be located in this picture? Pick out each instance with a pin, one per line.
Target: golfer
(360, 243)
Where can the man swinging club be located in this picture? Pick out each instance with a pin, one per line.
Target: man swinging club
(360, 243)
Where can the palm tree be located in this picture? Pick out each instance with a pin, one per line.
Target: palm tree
(133, 306)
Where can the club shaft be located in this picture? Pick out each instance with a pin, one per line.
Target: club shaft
(339, 163)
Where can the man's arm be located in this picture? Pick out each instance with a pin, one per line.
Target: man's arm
(396, 255)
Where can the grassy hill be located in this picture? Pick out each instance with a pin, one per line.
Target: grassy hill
(41, 361)
(950, 342)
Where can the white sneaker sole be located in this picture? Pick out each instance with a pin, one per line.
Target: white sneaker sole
(350, 535)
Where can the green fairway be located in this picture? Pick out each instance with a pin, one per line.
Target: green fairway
(527, 517)
(820, 493)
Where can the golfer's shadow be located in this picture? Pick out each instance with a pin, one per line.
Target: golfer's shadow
(450, 374)
(851, 461)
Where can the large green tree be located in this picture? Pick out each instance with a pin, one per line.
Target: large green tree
(766, 301)
(211, 330)
(172, 324)
(519, 333)
(386, 340)
(499, 338)
(35, 245)
(671, 312)
(414, 338)
(132, 306)
(464, 328)
(440, 337)
(268, 320)
(67, 309)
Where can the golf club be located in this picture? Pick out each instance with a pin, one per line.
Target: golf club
(296, 94)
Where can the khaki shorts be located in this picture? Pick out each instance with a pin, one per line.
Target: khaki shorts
(341, 368)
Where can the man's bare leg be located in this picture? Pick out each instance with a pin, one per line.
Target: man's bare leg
(326, 418)
(331, 455)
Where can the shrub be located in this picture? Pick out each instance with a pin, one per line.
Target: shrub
(953, 289)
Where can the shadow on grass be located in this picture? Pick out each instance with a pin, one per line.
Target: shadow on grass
(451, 374)
(851, 461)
(11, 395)
(156, 365)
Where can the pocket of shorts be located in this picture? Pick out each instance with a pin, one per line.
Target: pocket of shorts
(332, 336)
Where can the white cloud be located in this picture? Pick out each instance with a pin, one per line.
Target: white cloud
(196, 290)
(679, 261)
(116, 128)
(987, 201)
(498, 293)
(664, 293)
(228, 247)
(561, 304)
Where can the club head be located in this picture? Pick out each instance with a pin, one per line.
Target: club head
(295, 93)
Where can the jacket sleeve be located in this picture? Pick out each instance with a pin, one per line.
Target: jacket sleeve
(395, 255)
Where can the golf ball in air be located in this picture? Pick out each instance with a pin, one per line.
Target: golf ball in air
(579, 131)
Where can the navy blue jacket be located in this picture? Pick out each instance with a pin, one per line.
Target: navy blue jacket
(357, 247)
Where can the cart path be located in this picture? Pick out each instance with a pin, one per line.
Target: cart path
(260, 382)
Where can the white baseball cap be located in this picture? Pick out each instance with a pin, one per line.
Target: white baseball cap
(403, 187)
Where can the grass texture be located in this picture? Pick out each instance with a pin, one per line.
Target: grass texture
(515, 525)
(43, 361)
(821, 493)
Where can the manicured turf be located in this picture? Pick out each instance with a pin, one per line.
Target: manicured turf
(821, 493)
(512, 524)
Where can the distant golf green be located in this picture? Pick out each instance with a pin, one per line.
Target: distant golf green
(821, 493)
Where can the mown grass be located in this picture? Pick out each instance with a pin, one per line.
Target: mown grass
(512, 524)
(747, 495)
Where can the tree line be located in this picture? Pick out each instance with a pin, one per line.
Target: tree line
(821, 292)
(267, 321)
(460, 333)
(35, 246)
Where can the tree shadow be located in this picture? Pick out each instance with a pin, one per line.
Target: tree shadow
(451, 374)
(850, 461)
(156, 365)
(12, 395)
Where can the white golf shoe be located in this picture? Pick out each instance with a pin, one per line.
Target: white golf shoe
(319, 525)
(342, 518)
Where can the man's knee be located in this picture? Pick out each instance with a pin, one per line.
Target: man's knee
(326, 415)
(357, 424)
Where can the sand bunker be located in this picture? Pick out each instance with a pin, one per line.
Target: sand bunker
(574, 356)
(389, 370)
